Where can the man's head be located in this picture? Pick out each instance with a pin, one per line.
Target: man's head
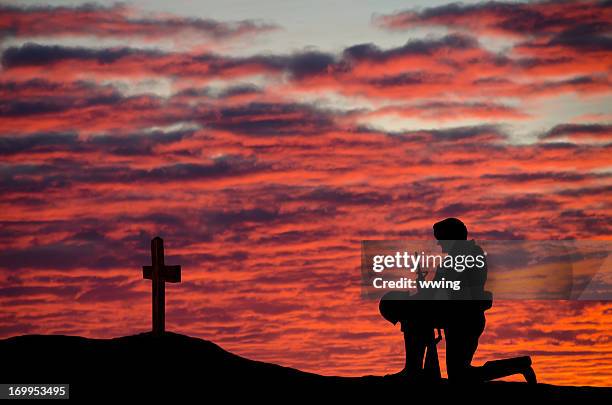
(449, 230)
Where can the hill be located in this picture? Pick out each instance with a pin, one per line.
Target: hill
(173, 365)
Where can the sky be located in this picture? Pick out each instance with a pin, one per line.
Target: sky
(265, 140)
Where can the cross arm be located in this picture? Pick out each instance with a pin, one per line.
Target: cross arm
(170, 274)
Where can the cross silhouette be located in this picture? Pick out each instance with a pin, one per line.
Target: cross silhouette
(160, 273)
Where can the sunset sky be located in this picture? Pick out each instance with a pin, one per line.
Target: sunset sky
(264, 140)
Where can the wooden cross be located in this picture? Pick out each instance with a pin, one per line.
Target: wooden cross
(160, 273)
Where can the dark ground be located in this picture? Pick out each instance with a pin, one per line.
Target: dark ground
(173, 365)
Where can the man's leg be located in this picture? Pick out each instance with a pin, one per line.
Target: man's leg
(415, 341)
(495, 369)
(462, 336)
(417, 327)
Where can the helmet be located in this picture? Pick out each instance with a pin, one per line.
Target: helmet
(450, 229)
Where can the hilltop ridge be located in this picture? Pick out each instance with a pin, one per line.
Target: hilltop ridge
(174, 365)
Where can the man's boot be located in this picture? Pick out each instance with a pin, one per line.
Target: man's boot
(495, 369)
(414, 344)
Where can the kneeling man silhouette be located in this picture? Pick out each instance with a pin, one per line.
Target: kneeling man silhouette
(460, 313)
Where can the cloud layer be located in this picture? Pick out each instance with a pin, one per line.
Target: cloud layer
(263, 172)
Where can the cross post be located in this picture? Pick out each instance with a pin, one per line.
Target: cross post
(159, 273)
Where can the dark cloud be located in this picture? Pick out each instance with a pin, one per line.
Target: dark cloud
(511, 204)
(239, 90)
(221, 167)
(589, 36)
(505, 234)
(573, 336)
(37, 143)
(113, 292)
(584, 130)
(15, 329)
(241, 218)
(412, 47)
(481, 137)
(89, 235)
(64, 256)
(527, 202)
(587, 191)
(269, 307)
(521, 18)
(308, 64)
(535, 176)
(291, 237)
(231, 218)
(136, 144)
(89, 246)
(38, 86)
(117, 20)
(70, 279)
(297, 65)
(32, 54)
(467, 132)
(342, 197)
(47, 105)
(22, 291)
(38, 178)
(595, 82)
(233, 259)
(409, 79)
(272, 119)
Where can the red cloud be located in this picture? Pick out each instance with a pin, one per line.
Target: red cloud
(117, 21)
